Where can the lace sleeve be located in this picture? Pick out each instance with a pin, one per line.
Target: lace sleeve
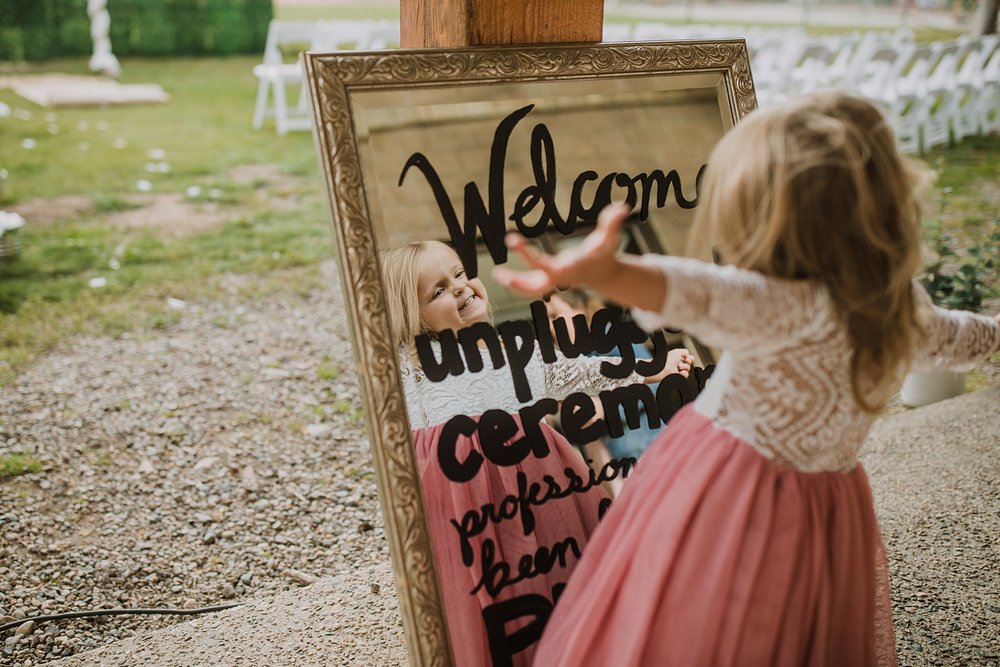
(728, 307)
(956, 339)
(565, 376)
(410, 377)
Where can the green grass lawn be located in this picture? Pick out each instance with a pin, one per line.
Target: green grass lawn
(204, 130)
(269, 224)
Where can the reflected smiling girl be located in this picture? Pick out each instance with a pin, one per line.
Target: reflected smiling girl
(507, 536)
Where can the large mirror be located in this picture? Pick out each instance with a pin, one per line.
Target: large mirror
(503, 427)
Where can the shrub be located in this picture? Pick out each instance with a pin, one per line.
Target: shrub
(962, 279)
(42, 29)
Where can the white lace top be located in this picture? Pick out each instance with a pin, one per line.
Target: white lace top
(432, 403)
(782, 383)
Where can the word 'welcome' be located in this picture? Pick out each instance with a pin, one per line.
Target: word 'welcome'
(490, 219)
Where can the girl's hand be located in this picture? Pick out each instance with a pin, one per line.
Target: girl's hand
(591, 263)
(678, 361)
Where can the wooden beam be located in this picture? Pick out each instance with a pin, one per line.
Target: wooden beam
(453, 23)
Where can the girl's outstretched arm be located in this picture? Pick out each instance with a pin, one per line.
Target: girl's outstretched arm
(955, 339)
(594, 263)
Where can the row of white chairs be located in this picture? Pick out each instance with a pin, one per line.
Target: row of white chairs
(281, 69)
(931, 93)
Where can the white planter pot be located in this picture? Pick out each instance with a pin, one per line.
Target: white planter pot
(923, 388)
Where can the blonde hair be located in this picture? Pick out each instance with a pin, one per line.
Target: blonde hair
(816, 190)
(400, 277)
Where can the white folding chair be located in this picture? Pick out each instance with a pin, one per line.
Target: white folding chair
(617, 32)
(940, 91)
(989, 102)
(883, 82)
(811, 71)
(381, 35)
(275, 75)
(969, 86)
(654, 32)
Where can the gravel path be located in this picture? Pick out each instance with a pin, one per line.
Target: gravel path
(186, 468)
(225, 460)
(350, 619)
(935, 473)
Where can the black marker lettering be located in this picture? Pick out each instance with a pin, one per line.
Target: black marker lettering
(451, 359)
(498, 615)
(489, 221)
(675, 383)
(471, 336)
(519, 341)
(455, 470)
(629, 399)
(577, 410)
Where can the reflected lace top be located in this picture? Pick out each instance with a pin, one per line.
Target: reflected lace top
(431, 403)
(782, 383)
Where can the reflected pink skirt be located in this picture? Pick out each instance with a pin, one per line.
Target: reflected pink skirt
(715, 555)
(573, 517)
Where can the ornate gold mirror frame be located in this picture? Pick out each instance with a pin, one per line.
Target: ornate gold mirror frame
(335, 80)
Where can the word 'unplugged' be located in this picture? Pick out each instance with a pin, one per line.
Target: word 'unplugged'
(513, 344)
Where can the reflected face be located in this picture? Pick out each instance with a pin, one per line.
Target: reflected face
(448, 298)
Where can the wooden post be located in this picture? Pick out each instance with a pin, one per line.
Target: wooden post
(453, 23)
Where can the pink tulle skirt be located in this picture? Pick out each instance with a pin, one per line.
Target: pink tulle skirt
(567, 521)
(715, 555)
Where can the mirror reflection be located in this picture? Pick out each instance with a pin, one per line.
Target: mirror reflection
(527, 417)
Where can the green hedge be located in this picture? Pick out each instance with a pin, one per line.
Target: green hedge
(41, 29)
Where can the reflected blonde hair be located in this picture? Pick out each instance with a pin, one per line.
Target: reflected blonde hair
(401, 277)
(816, 190)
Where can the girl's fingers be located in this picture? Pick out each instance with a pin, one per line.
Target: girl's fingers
(525, 283)
(519, 244)
(612, 218)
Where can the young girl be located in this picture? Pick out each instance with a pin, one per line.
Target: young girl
(428, 292)
(748, 535)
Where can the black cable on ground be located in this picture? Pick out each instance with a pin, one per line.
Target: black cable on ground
(117, 612)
